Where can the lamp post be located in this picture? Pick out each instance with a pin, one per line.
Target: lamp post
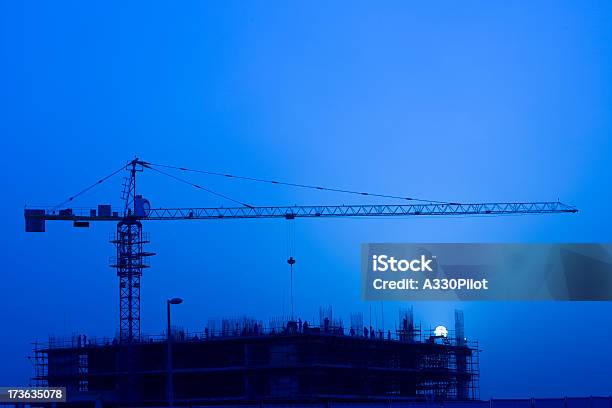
(170, 385)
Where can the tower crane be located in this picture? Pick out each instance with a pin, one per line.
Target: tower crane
(131, 258)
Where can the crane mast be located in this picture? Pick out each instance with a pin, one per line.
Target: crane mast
(129, 240)
(130, 259)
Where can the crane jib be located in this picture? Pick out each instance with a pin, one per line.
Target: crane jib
(35, 217)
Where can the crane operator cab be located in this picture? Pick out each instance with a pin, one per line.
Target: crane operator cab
(142, 206)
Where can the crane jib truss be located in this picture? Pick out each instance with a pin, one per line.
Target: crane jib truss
(188, 213)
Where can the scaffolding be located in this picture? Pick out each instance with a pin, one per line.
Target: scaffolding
(41, 365)
(241, 359)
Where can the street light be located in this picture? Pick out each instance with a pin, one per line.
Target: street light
(170, 386)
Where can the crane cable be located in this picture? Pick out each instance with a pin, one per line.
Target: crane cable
(182, 180)
(86, 189)
(312, 187)
(291, 259)
(259, 180)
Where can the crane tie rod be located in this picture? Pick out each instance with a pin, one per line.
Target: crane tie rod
(312, 187)
(182, 180)
(86, 189)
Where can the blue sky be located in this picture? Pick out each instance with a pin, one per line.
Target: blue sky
(477, 101)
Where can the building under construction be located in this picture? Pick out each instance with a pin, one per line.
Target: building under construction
(240, 361)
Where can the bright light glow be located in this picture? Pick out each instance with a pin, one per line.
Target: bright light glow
(441, 331)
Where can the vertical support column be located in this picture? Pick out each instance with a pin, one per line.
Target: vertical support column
(462, 354)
